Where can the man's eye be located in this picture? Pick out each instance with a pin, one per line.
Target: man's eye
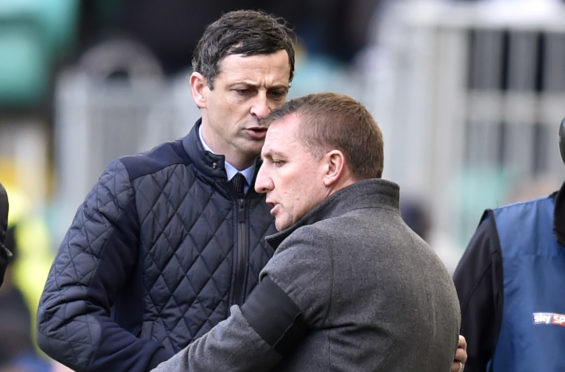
(243, 92)
(277, 94)
(278, 163)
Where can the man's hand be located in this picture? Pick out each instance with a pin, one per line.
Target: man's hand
(460, 356)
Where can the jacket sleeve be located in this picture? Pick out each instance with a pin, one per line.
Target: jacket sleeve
(478, 280)
(98, 253)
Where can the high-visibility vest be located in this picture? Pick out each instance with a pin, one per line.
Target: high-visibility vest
(532, 333)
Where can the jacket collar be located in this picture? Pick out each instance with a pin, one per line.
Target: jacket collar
(208, 163)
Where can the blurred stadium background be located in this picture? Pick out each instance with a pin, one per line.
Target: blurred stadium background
(469, 95)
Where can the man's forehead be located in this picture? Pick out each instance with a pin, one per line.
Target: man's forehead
(235, 68)
(272, 142)
(282, 133)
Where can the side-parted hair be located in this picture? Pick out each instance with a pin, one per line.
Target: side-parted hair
(247, 32)
(334, 121)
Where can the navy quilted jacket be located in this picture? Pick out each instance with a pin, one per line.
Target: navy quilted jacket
(155, 256)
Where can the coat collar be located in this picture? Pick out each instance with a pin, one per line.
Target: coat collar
(369, 193)
(208, 163)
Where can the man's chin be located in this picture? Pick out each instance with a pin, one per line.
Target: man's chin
(253, 148)
(281, 225)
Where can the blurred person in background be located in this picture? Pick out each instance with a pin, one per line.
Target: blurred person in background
(17, 349)
(343, 260)
(164, 244)
(5, 253)
(24, 253)
(509, 283)
(28, 240)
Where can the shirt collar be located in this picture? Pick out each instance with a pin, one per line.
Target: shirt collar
(230, 169)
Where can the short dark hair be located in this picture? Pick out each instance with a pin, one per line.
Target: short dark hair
(331, 120)
(247, 32)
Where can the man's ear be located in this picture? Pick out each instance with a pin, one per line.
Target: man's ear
(335, 161)
(199, 87)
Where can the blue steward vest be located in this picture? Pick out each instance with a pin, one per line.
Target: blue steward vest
(532, 333)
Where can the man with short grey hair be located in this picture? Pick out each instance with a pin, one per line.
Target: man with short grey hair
(350, 286)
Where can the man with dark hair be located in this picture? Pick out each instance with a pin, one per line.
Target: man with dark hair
(350, 286)
(5, 253)
(164, 244)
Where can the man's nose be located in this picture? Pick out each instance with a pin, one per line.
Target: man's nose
(262, 182)
(260, 107)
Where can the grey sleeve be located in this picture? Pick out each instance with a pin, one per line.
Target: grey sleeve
(303, 267)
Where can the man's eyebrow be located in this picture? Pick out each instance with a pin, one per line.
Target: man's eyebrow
(253, 84)
(241, 83)
(270, 154)
(285, 87)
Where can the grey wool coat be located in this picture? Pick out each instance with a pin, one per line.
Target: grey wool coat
(350, 288)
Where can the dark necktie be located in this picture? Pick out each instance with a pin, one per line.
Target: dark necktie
(238, 183)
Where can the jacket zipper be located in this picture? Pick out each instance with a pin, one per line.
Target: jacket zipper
(241, 264)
